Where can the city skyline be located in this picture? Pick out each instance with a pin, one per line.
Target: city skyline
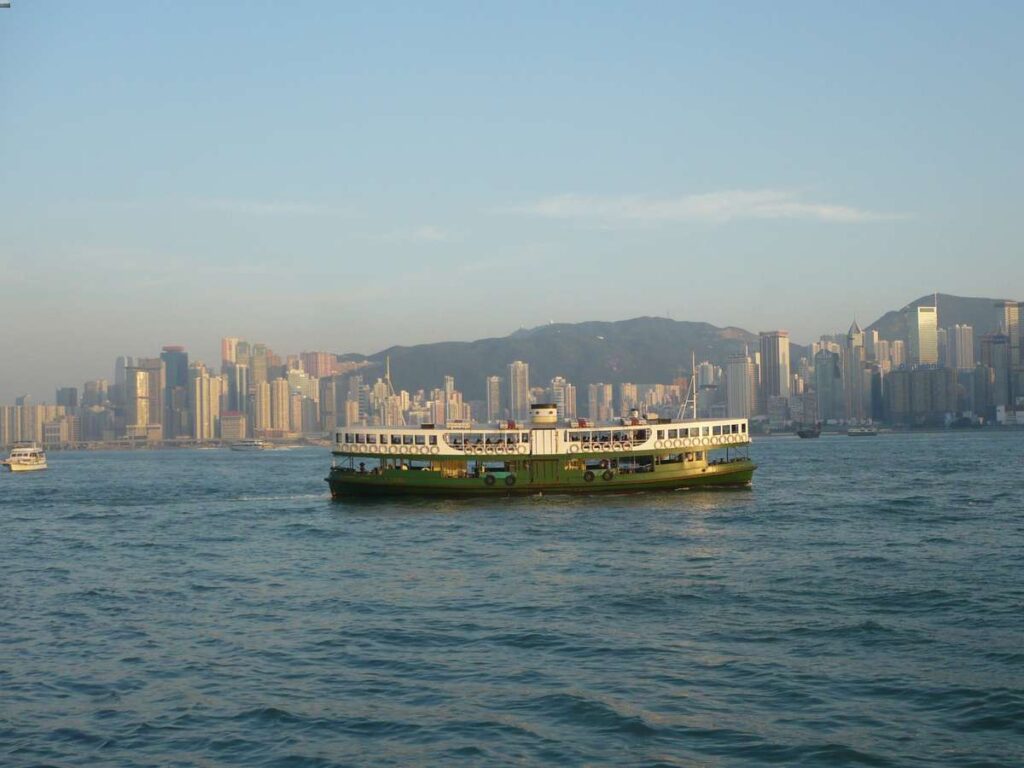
(857, 378)
(163, 173)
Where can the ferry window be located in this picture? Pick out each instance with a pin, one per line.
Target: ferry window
(337, 437)
(433, 439)
(673, 433)
(661, 434)
(371, 439)
(407, 440)
(396, 440)
(705, 431)
(735, 428)
(360, 438)
(743, 427)
(700, 455)
(716, 430)
(524, 437)
(421, 440)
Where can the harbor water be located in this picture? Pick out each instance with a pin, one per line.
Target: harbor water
(862, 604)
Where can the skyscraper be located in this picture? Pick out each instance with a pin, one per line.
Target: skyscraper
(741, 394)
(962, 346)
(1009, 325)
(144, 386)
(519, 390)
(922, 336)
(599, 401)
(176, 392)
(774, 365)
(494, 409)
(228, 351)
(854, 386)
(280, 413)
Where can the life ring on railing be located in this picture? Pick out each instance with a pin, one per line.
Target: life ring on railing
(574, 448)
(421, 449)
(489, 480)
(675, 443)
(434, 449)
(705, 441)
(716, 440)
(510, 480)
(588, 476)
(659, 444)
(522, 450)
(616, 446)
(606, 475)
(394, 449)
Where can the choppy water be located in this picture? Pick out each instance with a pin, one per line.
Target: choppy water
(862, 605)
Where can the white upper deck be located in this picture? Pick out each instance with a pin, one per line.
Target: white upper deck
(703, 434)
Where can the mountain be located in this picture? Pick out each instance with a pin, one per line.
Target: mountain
(980, 313)
(641, 350)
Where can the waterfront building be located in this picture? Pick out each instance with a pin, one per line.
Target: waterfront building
(922, 335)
(95, 392)
(828, 384)
(206, 392)
(280, 409)
(775, 368)
(144, 387)
(175, 392)
(898, 350)
(996, 355)
(855, 388)
(519, 390)
(261, 410)
(232, 426)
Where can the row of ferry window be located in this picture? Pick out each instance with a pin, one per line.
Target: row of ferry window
(363, 438)
(608, 436)
(705, 431)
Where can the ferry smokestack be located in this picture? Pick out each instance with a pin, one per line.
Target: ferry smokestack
(544, 415)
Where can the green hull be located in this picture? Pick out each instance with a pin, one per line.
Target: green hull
(398, 482)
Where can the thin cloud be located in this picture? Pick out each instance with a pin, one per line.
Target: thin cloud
(425, 234)
(263, 207)
(725, 206)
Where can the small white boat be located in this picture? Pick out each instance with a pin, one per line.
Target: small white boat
(249, 445)
(25, 458)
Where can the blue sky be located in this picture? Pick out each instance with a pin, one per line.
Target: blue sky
(327, 175)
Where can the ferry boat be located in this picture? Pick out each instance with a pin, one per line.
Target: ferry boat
(867, 431)
(25, 458)
(249, 445)
(543, 457)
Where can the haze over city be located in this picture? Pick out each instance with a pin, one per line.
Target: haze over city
(341, 178)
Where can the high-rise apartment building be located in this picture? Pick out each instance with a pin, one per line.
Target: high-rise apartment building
(68, 397)
(563, 395)
(922, 335)
(144, 395)
(600, 406)
(519, 390)
(261, 406)
(856, 389)
(318, 364)
(205, 400)
(774, 365)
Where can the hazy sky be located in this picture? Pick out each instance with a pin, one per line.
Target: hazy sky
(318, 174)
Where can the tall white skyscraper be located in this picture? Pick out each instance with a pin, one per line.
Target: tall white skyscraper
(741, 393)
(774, 364)
(564, 397)
(519, 390)
(494, 408)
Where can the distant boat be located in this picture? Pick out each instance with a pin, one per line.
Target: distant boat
(249, 445)
(808, 432)
(25, 458)
(862, 431)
